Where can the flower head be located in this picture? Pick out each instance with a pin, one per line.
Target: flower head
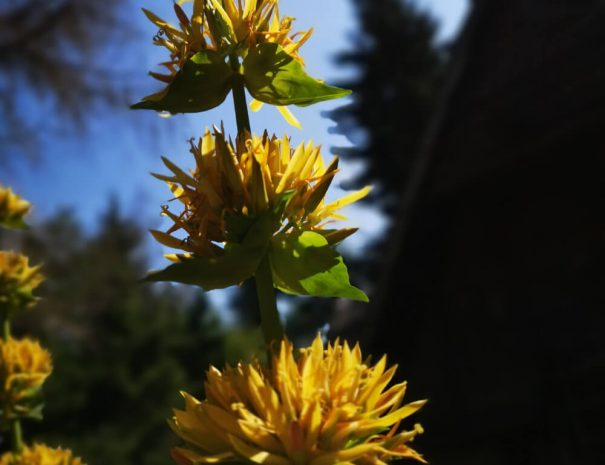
(228, 26)
(236, 182)
(12, 208)
(17, 281)
(40, 454)
(321, 406)
(24, 366)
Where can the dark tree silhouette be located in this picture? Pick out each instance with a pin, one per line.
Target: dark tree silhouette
(55, 63)
(492, 296)
(394, 92)
(122, 350)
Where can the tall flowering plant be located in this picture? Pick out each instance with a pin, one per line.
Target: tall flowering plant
(24, 363)
(253, 207)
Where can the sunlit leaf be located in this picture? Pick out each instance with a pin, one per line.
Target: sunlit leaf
(272, 76)
(238, 263)
(202, 84)
(305, 264)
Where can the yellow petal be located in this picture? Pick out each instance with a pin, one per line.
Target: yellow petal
(256, 455)
(168, 240)
(224, 421)
(346, 200)
(225, 17)
(289, 117)
(394, 417)
(256, 105)
(249, 8)
(294, 166)
(351, 454)
(195, 458)
(261, 437)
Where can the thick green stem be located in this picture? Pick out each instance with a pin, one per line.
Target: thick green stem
(265, 292)
(239, 98)
(16, 437)
(6, 326)
(269, 316)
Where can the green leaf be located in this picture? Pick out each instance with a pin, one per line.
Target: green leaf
(281, 202)
(237, 226)
(272, 76)
(14, 223)
(336, 236)
(238, 263)
(202, 84)
(219, 23)
(305, 264)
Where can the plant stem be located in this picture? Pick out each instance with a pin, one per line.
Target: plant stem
(239, 98)
(16, 437)
(269, 316)
(15, 424)
(6, 326)
(265, 291)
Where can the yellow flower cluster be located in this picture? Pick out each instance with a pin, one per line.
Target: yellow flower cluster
(224, 26)
(24, 366)
(323, 406)
(40, 454)
(17, 280)
(245, 179)
(12, 208)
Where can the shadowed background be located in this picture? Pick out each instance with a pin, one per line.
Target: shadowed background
(482, 245)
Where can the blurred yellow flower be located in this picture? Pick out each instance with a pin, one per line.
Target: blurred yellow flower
(12, 208)
(322, 406)
(17, 281)
(227, 26)
(24, 366)
(40, 454)
(245, 179)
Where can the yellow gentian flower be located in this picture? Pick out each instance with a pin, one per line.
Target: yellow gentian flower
(244, 180)
(40, 454)
(12, 208)
(245, 23)
(24, 366)
(17, 281)
(227, 27)
(320, 406)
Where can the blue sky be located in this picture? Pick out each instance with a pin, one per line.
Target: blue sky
(117, 154)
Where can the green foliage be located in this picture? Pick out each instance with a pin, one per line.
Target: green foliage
(272, 76)
(220, 25)
(244, 344)
(16, 222)
(15, 300)
(202, 84)
(122, 351)
(305, 264)
(238, 262)
(395, 92)
(29, 406)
